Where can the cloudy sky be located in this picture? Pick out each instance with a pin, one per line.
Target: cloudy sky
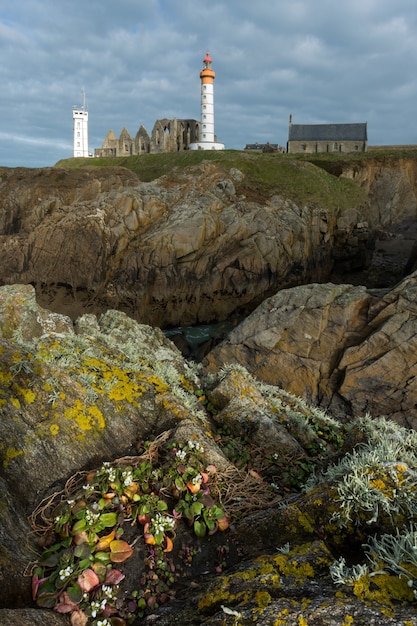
(139, 60)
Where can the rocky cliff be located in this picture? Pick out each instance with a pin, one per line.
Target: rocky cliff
(197, 244)
(193, 246)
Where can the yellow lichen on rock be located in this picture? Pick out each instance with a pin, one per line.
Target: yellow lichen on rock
(86, 418)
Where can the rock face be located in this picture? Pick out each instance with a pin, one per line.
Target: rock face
(338, 346)
(187, 248)
(78, 401)
(391, 189)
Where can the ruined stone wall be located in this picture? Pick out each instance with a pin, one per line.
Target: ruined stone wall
(167, 136)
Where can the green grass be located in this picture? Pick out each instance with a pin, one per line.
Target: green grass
(312, 179)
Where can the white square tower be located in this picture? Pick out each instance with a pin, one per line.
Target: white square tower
(80, 117)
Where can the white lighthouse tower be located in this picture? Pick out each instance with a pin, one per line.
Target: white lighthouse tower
(80, 117)
(207, 136)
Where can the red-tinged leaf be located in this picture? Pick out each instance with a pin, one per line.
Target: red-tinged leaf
(78, 506)
(255, 475)
(149, 539)
(88, 580)
(169, 544)
(211, 469)
(120, 551)
(223, 522)
(46, 600)
(117, 621)
(36, 581)
(204, 476)
(131, 490)
(80, 538)
(79, 618)
(194, 488)
(114, 577)
(144, 519)
(101, 571)
(65, 604)
(104, 542)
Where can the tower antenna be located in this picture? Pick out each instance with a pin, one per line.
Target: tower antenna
(84, 100)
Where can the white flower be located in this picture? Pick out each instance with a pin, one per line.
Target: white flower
(194, 445)
(127, 478)
(197, 479)
(181, 455)
(91, 517)
(65, 573)
(96, 607)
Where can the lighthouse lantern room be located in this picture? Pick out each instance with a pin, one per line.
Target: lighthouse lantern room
(207, 137)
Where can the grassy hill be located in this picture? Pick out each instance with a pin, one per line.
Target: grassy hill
(302, 178)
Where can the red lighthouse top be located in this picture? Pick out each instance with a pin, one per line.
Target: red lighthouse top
(207, 74)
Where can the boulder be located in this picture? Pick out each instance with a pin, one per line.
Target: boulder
(296, 338)
(341, 347)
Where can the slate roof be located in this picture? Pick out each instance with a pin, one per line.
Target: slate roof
(261, 146)
(328, 132)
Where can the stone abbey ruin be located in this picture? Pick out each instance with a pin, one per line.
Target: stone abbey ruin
(167, 136)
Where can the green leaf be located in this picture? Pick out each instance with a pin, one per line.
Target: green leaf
(108, 519)
(179, 483)
(79, 527)
(75, 593)
(159, 537)
(83, 551)
(50, 560)
(196, 508)
(161, 506)
(199, 528)
(103, 557)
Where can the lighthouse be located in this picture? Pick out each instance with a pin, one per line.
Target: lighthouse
(80, 117)
(207, 137)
